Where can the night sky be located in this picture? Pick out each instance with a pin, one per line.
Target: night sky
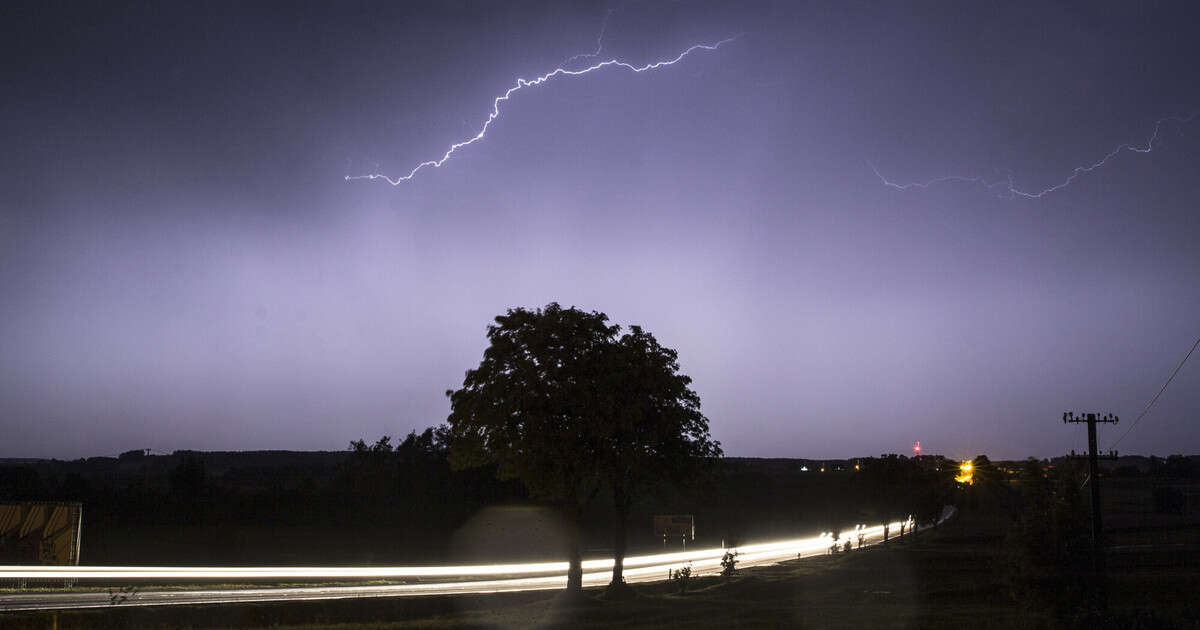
(183, 264)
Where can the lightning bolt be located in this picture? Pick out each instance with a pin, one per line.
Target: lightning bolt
(524, 83)
(1004, 186)
(599, 42)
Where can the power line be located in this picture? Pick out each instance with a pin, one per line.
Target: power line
(1160, 391)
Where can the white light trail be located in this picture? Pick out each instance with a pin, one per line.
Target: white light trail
(524, 83)
(440, 580)
(1005, 188)
(634, 565)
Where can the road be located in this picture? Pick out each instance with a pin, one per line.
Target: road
(431, 580)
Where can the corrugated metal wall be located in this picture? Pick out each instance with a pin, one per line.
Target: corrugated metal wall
(40, 533)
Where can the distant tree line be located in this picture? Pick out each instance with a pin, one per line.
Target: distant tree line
(408, 489)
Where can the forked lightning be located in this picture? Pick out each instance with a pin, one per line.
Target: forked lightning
(1005, 187)
(524, 83)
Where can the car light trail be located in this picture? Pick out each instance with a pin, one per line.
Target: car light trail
(655, 562)
(524, 83)
(444, 580)
(1007, 189)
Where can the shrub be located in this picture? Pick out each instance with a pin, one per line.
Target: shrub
(681, 577)
(728, 561)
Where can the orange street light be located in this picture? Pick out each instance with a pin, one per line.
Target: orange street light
(966, 471)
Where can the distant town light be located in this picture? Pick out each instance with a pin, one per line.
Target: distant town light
(966, 470)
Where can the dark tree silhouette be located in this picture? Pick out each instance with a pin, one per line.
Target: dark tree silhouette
(933, 490)
(652, 431)
(888, 483)
(533, 406)
(370, 477)
(564, 405)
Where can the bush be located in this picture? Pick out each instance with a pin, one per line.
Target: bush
(682, 576)
(728, 562)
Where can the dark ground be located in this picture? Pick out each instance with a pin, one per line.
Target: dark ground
(954, 577)
(971, 572)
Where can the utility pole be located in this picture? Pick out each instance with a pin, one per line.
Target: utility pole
(1094, 479)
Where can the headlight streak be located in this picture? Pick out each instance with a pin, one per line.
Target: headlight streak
(1006, 188)
(523, 83)
(597, 573)
(634, 565)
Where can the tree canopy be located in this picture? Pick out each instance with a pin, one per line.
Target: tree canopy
(532, 403)
(653, 430)
(563, 404)
(531, 408)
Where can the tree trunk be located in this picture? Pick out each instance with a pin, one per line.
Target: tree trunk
(574, 557)
(621, 507)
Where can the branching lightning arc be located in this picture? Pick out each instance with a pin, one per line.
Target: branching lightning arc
(599, 42)
(1006, 188)
(524, 83)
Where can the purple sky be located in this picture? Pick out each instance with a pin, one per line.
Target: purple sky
(182, 264)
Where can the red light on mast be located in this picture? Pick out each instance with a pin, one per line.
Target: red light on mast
(917, 448)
